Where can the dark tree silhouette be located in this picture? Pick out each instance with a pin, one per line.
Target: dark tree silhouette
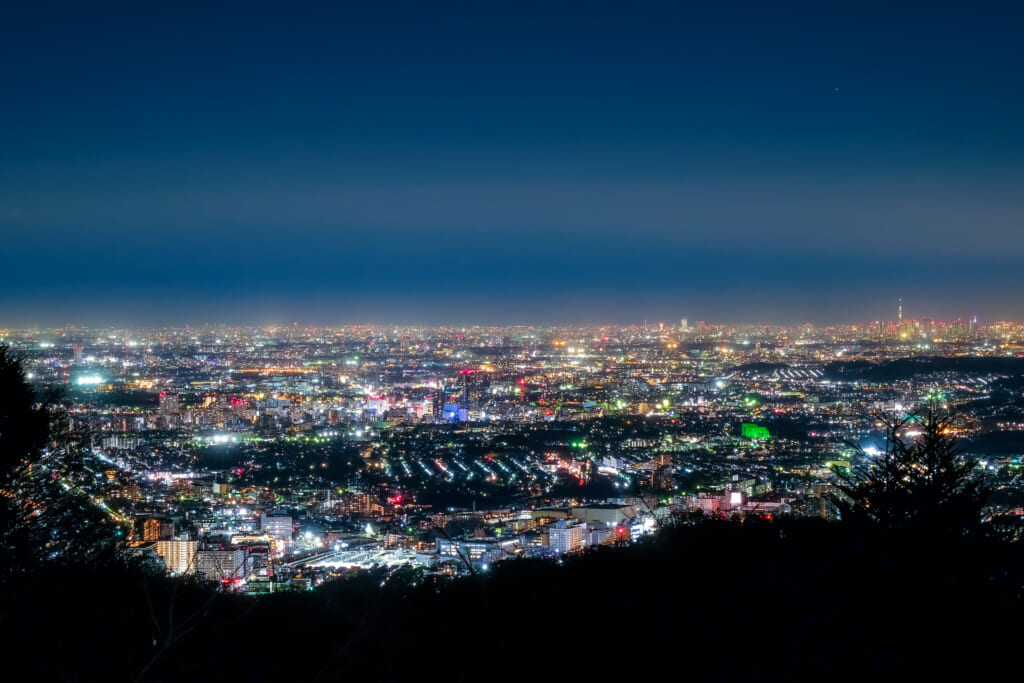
(24, 433)
(927, 486)
(24, 416)
(44, 516)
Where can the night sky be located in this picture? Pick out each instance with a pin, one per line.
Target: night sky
(510, 163)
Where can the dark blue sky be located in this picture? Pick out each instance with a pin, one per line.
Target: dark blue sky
(491, 162)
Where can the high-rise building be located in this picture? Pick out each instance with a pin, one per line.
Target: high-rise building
(222, 565)
(179, 556)
(169, 403)
(661, 478)
(121, 441)
(131, 491)
(277, 526)
(78, 355)
(359, 503)
(439, 400)
(684, 325)
(467, 384)
(566, 536)
(157, 530)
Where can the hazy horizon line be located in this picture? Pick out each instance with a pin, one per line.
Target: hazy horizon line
(651, 324)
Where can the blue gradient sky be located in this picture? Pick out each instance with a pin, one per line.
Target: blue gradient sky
(507, 163)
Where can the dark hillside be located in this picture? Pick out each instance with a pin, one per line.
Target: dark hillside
(758, 600)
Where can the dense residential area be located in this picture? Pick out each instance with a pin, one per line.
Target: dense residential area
(264, 460)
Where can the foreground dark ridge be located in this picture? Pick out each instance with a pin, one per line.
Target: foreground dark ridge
(777, 601)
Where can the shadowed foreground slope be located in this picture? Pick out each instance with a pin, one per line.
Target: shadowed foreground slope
(731, 601)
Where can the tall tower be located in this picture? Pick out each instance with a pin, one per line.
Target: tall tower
(467, 377)
(899, 316)
(439, 399)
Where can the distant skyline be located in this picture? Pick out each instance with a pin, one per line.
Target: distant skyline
(430, 163)
(412, 321)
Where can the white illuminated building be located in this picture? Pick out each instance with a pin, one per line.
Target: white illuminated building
(566, 536)
(277, 527)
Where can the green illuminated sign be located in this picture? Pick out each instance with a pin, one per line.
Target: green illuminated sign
(752, 431)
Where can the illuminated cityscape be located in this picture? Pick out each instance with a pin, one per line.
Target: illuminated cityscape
(267, 458)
